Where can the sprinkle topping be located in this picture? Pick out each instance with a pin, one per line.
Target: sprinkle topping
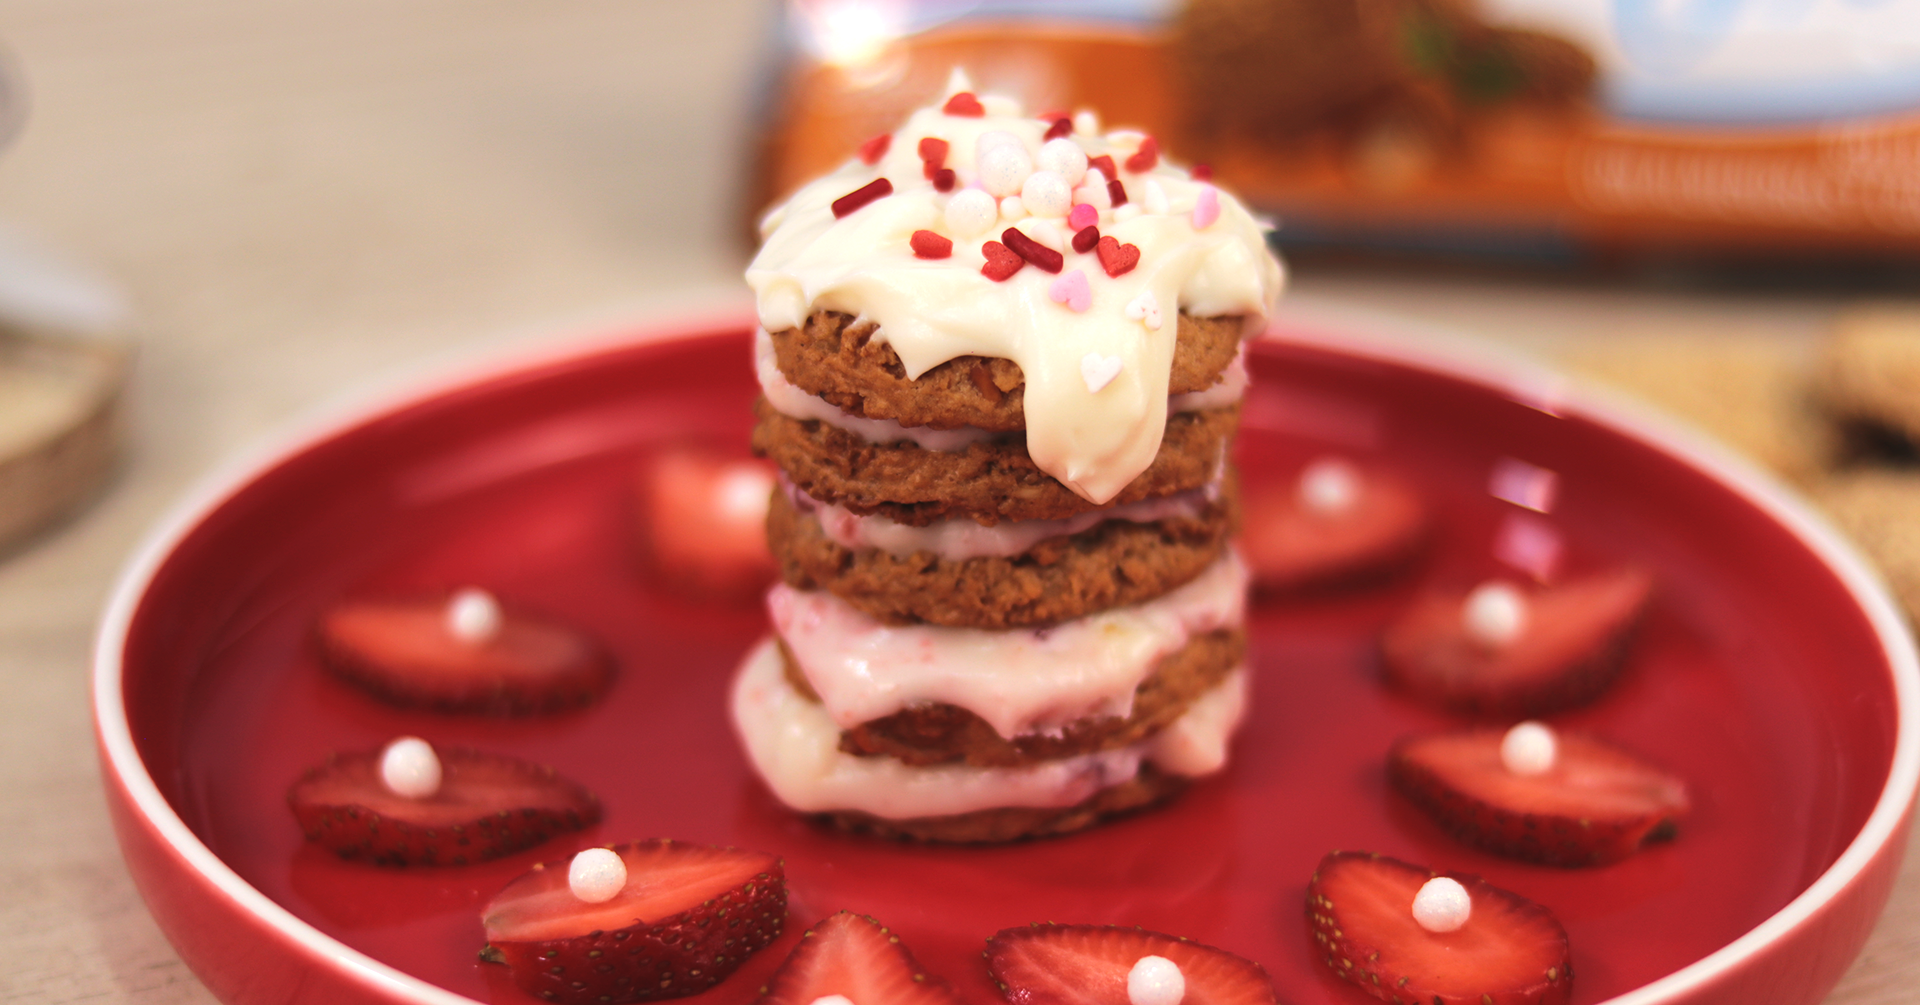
(410, 768)
(965, 105)
(1206, 207)
(1085, 238)
(1442, 905)
(1002, 263)
(927, 244)
(872, 150)
(1146, 158)
(1530, 748)
(1155, 980)
(597, 875)
(1329, 487)
(1495, 614)
(1118, 259)
(473, 616)
(1145, 309)
(1098, 371)
(879, 188)
(1033, 251)
(1073, 291)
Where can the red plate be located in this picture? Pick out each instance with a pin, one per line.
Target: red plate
(1772, 673)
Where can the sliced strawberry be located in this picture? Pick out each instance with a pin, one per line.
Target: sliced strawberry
(1089, 964)
(407, 652)
(487, 805)
(1572, 646)
(1597, 804)
(1511, 951)
(856, 957)
(704, 522)
(687, 917)
(1291, 544)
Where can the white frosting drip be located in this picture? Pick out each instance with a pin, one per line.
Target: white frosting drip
(795, 746)
(963, 538)
(1020, 681)
(931, 311)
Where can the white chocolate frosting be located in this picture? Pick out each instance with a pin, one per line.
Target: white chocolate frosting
(795, 747)
(1020, 681)
(1091, 426)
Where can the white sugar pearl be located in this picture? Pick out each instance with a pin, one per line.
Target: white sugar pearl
(597, 875)
(1495, 613)
(1093, 190)
(1156, 980)
(996, 138)
(1086, 122)
(1003, 168)
(1046, 194)
(743, 492)
(1442, 905)
(971, 213)
(1153, 197)
(473, 616)
(1529, 748)
(1329, 487)
(410, 768)
(1063, 157)
(1012, 208)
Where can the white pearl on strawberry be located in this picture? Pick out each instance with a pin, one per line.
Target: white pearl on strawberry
(473, 616)
(1003, 166)
(743, 491)
(831, 1000)
(410, 768)
(597, 875)
(1530, 748)
(971, 212)
(1329, 487)
(1156, 980)
(1495, 614)
(1063, 157)
(1046, 194)
(1442, 905)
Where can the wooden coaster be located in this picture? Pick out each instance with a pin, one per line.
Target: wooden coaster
(59, 430)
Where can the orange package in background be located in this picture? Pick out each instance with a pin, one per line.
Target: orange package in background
(1559, 131)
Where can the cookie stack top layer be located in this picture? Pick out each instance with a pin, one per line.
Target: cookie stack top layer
(1090, 324)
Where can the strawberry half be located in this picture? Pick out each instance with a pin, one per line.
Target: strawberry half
(1511, 951)
(1572, 647)
(406, 652)
(703, 526)
(1597, 804)
(1089, 964)
(687, 917)
(487, 805)
(854, 956)
(1291, 544)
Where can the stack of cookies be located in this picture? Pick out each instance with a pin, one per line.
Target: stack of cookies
(1011, 604)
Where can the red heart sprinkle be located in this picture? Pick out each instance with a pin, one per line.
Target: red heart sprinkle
(1033, 251)
(1116, 193)
(1105, 163)
(1118, 259)
(965, 104)
(927, 244)
(943, 180)
(1203, 172)
(1086, 238)
(872, 150)
(1001, 261)
(1062, 126)
(876, 189)
(1146, 157)
(933, 150)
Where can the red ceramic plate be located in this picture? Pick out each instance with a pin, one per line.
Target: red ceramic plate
(1772, 673)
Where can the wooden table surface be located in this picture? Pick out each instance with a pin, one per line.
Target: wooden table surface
(302, 195)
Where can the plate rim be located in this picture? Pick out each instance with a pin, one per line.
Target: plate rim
(1364, 334)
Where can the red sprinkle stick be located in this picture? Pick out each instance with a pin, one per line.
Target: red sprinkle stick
(1146, 157)
(1061, 127)
(1202, 172)
(1116, 193)
(927, 244)
(943, 180)
(964, 104)
(1086, 238)
(1033, 251)
(872, 150)
(1002, 263)
(879, 188)
(933, 154)
(1105, 163)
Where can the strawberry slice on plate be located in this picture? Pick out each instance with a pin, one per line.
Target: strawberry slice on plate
(1360, 913)
(703, 522)
(1591, 804)
(1104, 965)
(463, 653)
(682, 920)
(1507, 651)
(1334, 524)
(858, 959)
(480, 806)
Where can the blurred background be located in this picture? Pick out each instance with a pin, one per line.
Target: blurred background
(217, 215)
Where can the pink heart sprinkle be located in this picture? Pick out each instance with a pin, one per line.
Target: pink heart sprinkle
(1072, 290)
(1082, 217)
(1206, 208)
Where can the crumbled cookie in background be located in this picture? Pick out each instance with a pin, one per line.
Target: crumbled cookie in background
(1867, 379)
(1880, 509)
(1751, 393)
